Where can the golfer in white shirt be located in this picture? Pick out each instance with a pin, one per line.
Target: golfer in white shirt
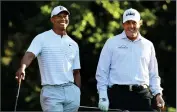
(59, 63)
(127, 72)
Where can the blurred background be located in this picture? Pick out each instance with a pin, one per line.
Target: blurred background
(91, 24)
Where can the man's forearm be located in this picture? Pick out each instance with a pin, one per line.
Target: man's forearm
(26, 60)
(77, 78)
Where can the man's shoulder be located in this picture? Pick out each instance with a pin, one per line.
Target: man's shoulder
(72, 40)
(146, 41)
(44, 33)
(114, 38)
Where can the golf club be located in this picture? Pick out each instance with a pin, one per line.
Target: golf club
(98, 108)
(19, 84)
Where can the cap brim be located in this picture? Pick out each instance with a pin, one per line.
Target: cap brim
(128, 19)
(60, 12)
(64, 11)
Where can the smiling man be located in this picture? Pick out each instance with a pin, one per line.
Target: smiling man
(59, 63)
(127, 71)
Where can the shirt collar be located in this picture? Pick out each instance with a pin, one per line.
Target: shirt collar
(57, 34)
(124, 36)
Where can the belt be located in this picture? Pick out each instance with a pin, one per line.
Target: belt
(131, 87)
(60, 85)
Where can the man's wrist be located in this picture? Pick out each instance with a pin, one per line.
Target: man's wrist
(78, 85)
(103, 99)
(23, 66)
(103, 94)
(158, 94)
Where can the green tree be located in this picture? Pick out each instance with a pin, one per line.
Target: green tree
(91, 24)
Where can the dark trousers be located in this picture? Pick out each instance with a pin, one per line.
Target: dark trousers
(136, 99)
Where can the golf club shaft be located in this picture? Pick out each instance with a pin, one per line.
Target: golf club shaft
(98, 108)
(19, 84)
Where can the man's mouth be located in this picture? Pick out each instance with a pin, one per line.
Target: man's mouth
(131, 31)
(62, 23)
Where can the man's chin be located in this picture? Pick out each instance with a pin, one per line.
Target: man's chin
(62, 28)
(134, 35)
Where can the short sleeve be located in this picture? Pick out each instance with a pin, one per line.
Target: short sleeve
(35, 46)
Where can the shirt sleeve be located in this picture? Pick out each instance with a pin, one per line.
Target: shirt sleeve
(103, 69)
(154, 75)
(35, 46)
(76, 64)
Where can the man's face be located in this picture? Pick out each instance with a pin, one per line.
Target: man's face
(61, 20)
(131, 29)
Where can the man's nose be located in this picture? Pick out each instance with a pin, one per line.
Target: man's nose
(62, 17)
(131, 25)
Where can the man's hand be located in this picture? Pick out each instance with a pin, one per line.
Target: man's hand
(160, 101)
(25, 62)
(103, 104)
(20, 74)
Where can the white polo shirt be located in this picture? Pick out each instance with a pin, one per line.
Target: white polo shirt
(127, 62)
(57, 57)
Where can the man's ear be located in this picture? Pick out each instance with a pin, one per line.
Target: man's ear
(122, 24)
(52, 20)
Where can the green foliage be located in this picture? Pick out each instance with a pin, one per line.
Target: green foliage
(46, 10)
(91, 24)
(113, 8)
(171, 109)
(149, 17)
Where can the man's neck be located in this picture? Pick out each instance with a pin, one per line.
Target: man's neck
(132, 38)
(60, 32)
